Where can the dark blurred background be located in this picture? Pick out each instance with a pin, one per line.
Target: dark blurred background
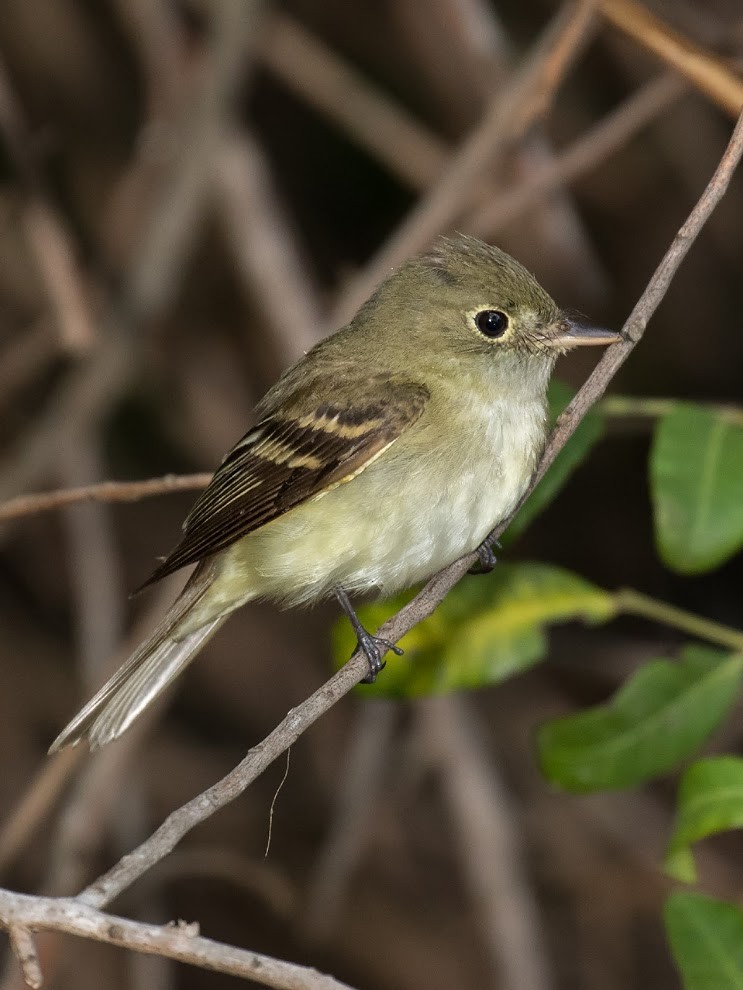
(188, 193)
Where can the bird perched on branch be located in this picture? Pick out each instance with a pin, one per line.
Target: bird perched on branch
(388, 451)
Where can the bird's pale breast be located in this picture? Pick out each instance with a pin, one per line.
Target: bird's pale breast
(405, 516)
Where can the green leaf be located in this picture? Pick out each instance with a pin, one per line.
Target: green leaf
(589, 432)
(696, 476)
(706, 938)
(485, 630)
(660, 716)
(710, 800)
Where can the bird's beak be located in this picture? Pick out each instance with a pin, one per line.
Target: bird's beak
(569, 333)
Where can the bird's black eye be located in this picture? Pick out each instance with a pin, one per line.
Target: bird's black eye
(491, 323)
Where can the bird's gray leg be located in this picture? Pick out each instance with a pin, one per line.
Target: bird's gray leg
(371, 646)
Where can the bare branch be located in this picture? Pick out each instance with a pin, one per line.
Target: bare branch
(705, 70)
(327, 82)
(185, 818)
(104, 491)
(358, 794)
(25, 952)
(264, 245)
(47, 233)
(594, 147)
(19, 912)
(40, 796)
(489, 843)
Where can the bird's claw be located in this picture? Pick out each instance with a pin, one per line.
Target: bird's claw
(486, 559)
(373, 647)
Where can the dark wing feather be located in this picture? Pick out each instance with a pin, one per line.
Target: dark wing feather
(289, 457)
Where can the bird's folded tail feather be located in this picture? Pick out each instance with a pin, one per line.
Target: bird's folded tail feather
(149, 670)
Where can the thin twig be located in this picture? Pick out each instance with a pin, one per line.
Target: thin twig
(19, 912)
(180, 822)
(185, 818)
(24, 949)
(705, 70)
(104, 491)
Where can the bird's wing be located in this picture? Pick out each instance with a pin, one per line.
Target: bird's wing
(292, 456)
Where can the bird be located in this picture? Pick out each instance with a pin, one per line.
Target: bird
(390, 449)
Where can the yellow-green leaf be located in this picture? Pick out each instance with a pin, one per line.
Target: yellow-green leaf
(487, 628)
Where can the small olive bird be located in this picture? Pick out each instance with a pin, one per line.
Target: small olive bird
(388, 451)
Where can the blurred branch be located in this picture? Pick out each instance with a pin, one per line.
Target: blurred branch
(463, 55)
(63, 281)
(181, 821)
(46, 233)
(41, 794)
(179, 941)
(596, 146)
(513, 109)
(319, 76)
(155, 260)
(488, 843)
(93, 561)
(706, 71)
(263, 244)
(103, 491)
(356, 799)
(30, 352)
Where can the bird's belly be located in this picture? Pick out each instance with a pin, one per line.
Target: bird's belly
(392, 525)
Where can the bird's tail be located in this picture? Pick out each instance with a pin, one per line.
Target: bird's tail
(149, 670)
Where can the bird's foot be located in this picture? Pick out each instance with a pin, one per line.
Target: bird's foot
(373, 647)
(486, 559)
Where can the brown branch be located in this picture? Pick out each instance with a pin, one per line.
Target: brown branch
(263, 243)
(155, 260)
(41, 794)
(182, 942)
(332, 86)
(706, 71)
(509, 115)
(48, 236)
(104, 491)
(594, 147)
(368, 755)
(487, 841)
(181, 821)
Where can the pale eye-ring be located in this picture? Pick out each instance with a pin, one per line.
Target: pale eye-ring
(491, 323)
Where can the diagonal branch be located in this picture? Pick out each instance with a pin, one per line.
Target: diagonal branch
(180, 822)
